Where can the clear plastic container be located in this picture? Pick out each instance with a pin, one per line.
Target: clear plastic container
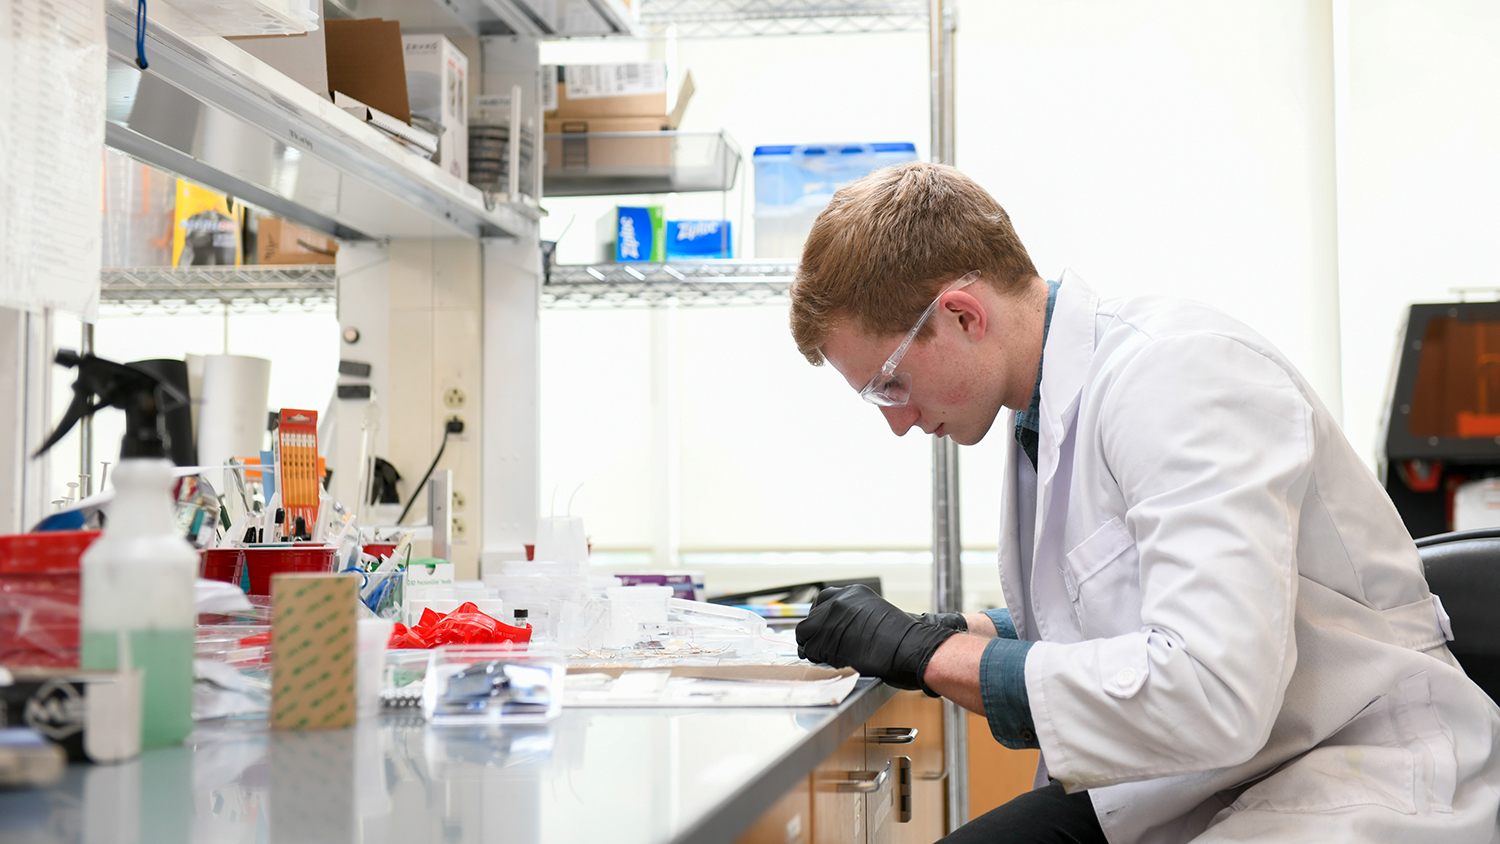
(139, 202)
(794, 183)
(493, 685)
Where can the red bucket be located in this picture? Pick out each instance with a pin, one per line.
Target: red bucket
(380, 549)
(262, 563)
(222, 564)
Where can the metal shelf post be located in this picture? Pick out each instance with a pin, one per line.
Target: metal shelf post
(947, 544)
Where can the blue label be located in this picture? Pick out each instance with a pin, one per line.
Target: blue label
(699, 239)
(633, 235)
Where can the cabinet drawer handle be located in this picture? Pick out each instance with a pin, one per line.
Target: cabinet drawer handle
(903, 789)
(865, 782)
(933, 775)
(894, 735)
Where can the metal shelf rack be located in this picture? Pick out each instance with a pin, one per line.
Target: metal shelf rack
(210, 112)
(723, 282)
(600, 164)
(732, 18)
(142, 288)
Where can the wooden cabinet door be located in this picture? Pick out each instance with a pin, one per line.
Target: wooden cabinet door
(907, 735)
(788, 822)
(929, 771)
(996, 774)
(839, 814)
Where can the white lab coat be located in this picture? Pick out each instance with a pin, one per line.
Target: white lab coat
(1236, 641)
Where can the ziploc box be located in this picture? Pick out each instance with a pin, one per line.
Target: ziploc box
(640, 234)
(437, 85)
(699, 239)
(314, 633)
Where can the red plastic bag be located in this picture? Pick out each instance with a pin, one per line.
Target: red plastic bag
(464, 626)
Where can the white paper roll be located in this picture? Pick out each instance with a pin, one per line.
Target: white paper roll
(232, 416)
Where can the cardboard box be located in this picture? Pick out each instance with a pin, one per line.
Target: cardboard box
(640, 234)
(205, 228)
(437, 86)
(280, 242)
(693, 239)
(365, 61)
(613, 90)
(607, 90)
(302, 57)
(585, 153)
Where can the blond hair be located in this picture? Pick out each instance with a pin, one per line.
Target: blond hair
(880, 251)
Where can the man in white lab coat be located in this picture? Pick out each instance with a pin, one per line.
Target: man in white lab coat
(1218, 628)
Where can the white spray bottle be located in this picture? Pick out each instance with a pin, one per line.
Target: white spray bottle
(138, 577)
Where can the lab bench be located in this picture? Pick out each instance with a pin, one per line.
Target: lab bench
(831, 775)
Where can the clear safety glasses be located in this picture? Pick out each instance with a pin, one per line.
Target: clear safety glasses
(891, 388)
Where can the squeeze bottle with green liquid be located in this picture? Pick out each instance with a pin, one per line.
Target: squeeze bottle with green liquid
(138, 577)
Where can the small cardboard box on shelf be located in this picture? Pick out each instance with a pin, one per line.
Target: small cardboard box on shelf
(365, 61)
(302, 57)
(280, 242)
(437, 87)
(597, 112)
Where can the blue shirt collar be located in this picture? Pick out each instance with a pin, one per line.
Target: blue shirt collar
(1028, 424)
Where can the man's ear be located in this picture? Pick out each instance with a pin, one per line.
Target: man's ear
(973, 320)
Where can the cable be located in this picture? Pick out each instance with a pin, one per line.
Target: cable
(453, 426)
(140, 34)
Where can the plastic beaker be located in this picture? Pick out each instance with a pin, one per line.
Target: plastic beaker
(374, 634)
(561, 540)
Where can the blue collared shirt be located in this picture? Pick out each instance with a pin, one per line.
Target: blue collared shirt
(1002, 685)
(1002, 668)
(1028, 424)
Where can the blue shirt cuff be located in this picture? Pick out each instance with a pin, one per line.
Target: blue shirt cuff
(1005, 628)
(1002, 687)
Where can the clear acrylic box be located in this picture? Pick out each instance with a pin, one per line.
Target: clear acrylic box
(493, 684)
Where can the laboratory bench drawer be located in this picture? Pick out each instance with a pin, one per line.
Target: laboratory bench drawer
(883, 785)
(821, 811)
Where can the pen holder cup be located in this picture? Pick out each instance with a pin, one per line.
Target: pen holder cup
(262, 563)
(222, 564)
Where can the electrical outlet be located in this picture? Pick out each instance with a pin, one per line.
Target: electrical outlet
(455, 398)
(459, 528)
(458, 500)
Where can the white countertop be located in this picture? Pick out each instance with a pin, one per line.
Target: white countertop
(644, 776)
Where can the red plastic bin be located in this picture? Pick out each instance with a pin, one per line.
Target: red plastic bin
(262, 563)
(380, 549)
(39, 595)
(222, 564)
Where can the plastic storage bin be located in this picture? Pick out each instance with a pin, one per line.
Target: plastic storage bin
(39, 594)
(222, 564)
(794, 183)
(262, 563)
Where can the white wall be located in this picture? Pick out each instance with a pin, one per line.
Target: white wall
(773, 453)
(303, 347)
(1420, 206)
(1182, 148)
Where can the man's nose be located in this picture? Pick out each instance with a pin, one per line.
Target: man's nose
(900, 419)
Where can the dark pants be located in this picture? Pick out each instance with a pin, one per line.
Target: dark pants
(1044, 816)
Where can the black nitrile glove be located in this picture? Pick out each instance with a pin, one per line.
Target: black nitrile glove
(950, 620)
(852, 626)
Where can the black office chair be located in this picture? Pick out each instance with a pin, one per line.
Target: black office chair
(1463, 569)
